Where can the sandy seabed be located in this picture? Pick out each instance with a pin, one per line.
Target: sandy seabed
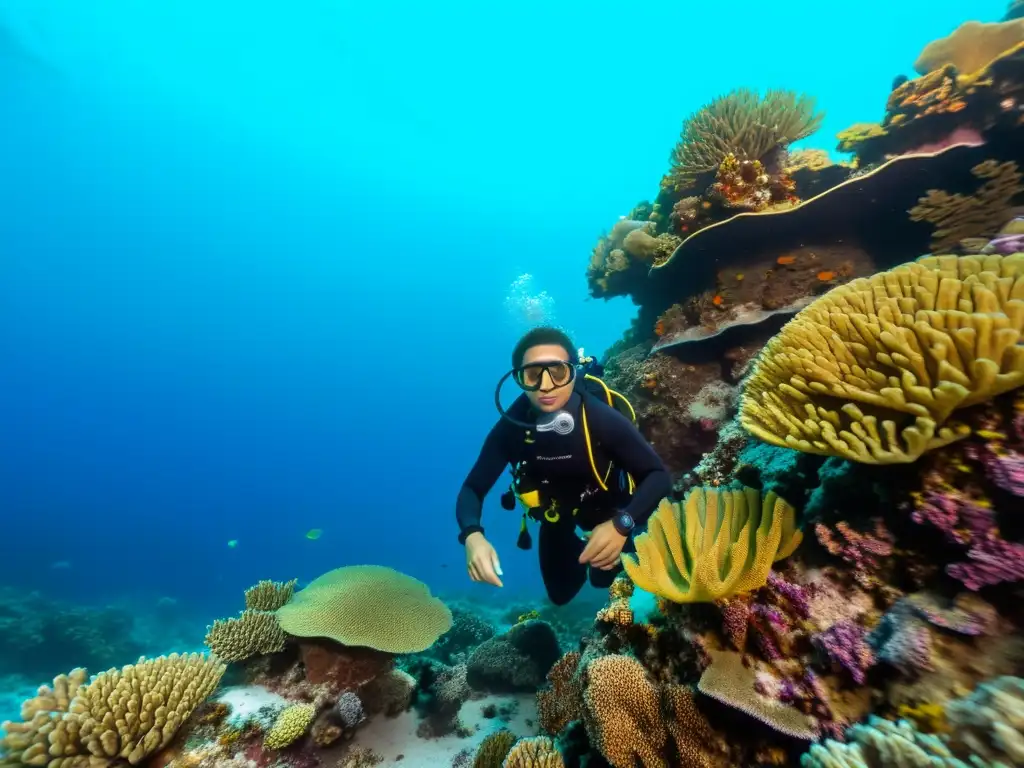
(395, 739)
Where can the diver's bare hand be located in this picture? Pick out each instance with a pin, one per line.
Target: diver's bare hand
(604, 547)
(482, 560)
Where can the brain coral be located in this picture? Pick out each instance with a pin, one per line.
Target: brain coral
(872, 370)
(367, 605)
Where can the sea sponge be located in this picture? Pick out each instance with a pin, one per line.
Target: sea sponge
(717, 544)
(121, 715)
(742, 123)
(960, 217)
(872, 370)
(367, 605)
(269, 595)
(622, 712)
(251, 633)
(972, 46)
(290, 726)
(535, 752)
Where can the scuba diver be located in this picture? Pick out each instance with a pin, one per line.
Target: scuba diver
(576, 461)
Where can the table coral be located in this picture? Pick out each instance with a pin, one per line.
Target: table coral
(406, 617)
(971, 47)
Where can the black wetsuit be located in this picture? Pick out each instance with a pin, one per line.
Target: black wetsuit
(559, 466)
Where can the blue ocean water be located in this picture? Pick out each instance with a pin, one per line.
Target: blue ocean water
(262, 264)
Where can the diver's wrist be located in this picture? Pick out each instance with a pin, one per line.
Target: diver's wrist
(623, 523)
(468, 531)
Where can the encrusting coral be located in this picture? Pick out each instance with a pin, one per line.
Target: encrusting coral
(252, 633)
(717, 544)
(872, 370)
(121, 715)
(406, 617)
(960, 217)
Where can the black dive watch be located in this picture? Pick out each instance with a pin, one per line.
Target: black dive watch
(623, 523)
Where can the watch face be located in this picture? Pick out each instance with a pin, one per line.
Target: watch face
(626, 521)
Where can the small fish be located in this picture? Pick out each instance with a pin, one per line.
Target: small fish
(314, 533)
(739, 276)
(826, 276)
(717, 301)
(784, 260)
(233, 543)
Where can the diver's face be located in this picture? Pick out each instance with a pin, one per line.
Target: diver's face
(552, 395)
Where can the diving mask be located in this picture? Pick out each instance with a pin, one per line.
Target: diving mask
(530, 377)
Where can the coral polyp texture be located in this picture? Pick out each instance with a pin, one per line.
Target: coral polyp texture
(406, 618)
(742, 123)
(121, 716)
(716, 544)
(874, 370)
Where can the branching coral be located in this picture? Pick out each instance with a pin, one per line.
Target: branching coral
(873, 370)
(958, 217)
(121, 715)
(718, 543)
(370, 606)
(742, 123)
(253, 633)
(269, 595)
(986, 731)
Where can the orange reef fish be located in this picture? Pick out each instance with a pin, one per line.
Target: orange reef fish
(784, 260)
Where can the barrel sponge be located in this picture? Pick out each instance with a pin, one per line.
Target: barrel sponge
(290, 726)
(873, 370)
(367, 605)
(716, 544)
(252, 633)
(535, 752)
(120, 716)
(622, 712)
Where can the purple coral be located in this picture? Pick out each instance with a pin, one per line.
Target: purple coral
(991, 559)
(861, 550)
(845, 644)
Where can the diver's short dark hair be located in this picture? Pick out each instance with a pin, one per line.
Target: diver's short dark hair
(544, 334)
